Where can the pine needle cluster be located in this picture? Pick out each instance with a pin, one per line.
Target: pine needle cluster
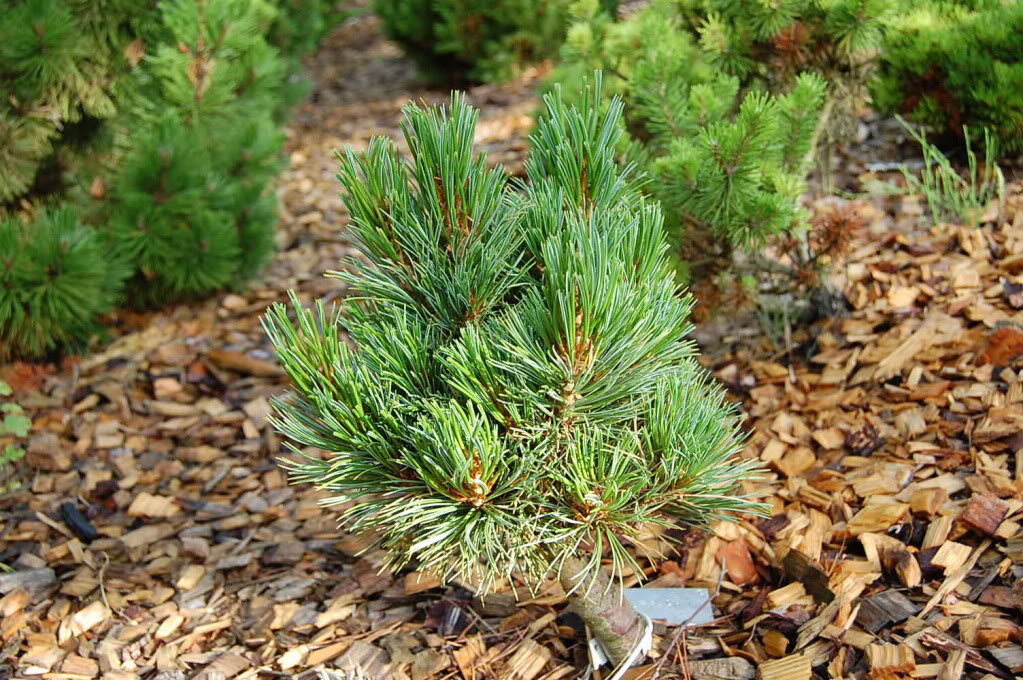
(454, 41)
(518, 389)
(957, 63)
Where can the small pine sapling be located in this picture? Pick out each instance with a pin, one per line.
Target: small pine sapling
(735, 184)
(739, 180)
(56, 277)
(521, 397)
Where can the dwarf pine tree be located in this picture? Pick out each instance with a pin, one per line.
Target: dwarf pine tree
(519, 396)
(737, 178)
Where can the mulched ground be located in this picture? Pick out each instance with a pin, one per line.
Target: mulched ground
(156, 537)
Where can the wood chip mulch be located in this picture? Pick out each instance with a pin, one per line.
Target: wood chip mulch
(157, 538)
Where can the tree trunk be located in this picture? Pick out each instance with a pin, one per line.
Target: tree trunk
(602, 605)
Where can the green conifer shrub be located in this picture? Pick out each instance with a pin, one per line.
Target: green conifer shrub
(729, 161)
(521, 396)
(57, 277)
(764, 44)
(954, 63)
(66, 66)
(737, 178)
(159, 124)
(192, 197)
(300, 25)
(773, 42)
(454, 41)
(195, 220)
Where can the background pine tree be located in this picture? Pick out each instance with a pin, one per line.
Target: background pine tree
(454, 41)
(739, 178)
(191, 201)
(521, 396)
(158, 123)
(52, 73)
(954, 63)
(727, 158)
(773, 42)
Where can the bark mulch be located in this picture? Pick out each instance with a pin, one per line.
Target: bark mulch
(156, 537)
